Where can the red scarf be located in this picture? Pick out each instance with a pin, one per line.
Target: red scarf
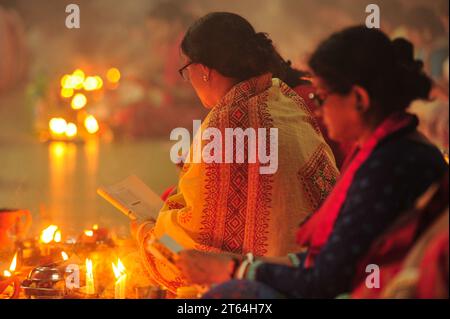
(316, 231)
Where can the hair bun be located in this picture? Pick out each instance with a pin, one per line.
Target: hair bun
(416, 84)
(263, 39)
(404, 53)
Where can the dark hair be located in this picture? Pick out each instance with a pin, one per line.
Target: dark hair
(368, 58)
(294, 77)
(229, 44)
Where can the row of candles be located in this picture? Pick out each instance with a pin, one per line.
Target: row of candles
(53, 234)
(120, 279)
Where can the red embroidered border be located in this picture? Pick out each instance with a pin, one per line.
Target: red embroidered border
(264, 198)
(235, 217)
(317, 177)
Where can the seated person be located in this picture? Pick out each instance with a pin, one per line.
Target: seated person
(237, 207)
(365, 83)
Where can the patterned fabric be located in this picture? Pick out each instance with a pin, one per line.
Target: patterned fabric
(234, 208)
(317, 178)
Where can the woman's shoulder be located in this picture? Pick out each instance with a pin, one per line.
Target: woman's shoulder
(281, 96)
(407, 156)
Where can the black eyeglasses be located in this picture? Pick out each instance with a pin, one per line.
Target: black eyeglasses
(183, 73)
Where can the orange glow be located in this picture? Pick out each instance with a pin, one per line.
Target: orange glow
(118, 270)
(91, 124)
(71, 130)
(77, 79)
(79, 101)
(89, 233)
(6, 273)
(95, 227)
(57, 125)
(64, 256)
(58, 149)
(121, 279)
(66, 82)
(113, 75)
(57, 237)
(99, 82)
(66, 92)
(13, 266)
(90, 289)
(90, 83)
(48, 234)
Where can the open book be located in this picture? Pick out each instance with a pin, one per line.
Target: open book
(133, 198)
(136, 200)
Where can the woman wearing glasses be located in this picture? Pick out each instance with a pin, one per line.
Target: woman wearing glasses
(234, 207)
(365, 83)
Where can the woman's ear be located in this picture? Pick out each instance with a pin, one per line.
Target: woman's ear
(206, 72)
(362, 98)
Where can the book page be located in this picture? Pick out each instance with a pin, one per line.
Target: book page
(133, 198)
(171, 244)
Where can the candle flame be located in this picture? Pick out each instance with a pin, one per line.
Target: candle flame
(95, 227)
(79, 101)
(113, 75)
(66, 82)
(48, 234)
(57, 237)
(89, 266)
(64, 255)
(66, 92)
(99, 82)
(13, 265)
(74, 80)
(77, 79)
(118, 270)
(6, 273)
(91, 124)
(71, 130)
(89, 233)
(90, 83)
(90, 289)
(57, 125)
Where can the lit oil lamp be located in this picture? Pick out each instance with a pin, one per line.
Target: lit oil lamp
(90, 288)
(121, 280)
(113, 75)
(91, 124)
(10, 279)
(58, 127)
(12, 267)
(64, 256)
(49, 239)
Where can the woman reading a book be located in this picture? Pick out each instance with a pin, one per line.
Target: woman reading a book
(235, 207)
(365, 83)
